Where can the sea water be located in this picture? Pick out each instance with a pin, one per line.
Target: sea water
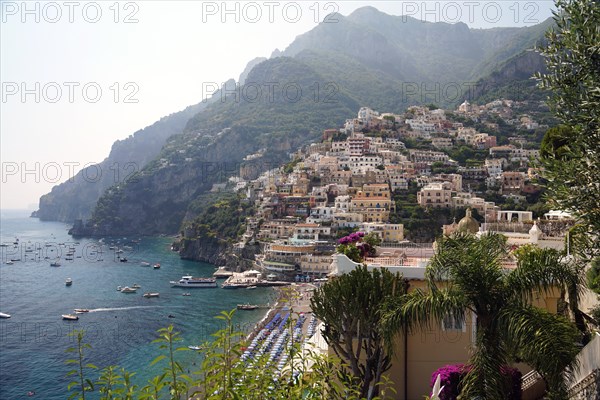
(120, 327)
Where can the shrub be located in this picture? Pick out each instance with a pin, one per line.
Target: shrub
(453, 374)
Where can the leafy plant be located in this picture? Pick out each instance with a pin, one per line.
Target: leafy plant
(82, 384)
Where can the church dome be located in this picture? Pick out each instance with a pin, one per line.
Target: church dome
(468, 223)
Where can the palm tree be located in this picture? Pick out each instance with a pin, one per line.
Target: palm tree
(466, 273)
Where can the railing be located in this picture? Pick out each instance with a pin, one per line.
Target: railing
(588, 373)
(529, 379)
(385, 261)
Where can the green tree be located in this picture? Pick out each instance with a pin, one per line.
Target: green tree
(350, 306)
(466, 274)
(593, 276)
(571, 154)
(351, 251)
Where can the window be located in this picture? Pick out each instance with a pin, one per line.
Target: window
(453, 323)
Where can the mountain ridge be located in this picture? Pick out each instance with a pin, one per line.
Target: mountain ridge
(338, 68)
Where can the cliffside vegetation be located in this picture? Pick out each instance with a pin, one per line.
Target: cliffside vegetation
(219, 215)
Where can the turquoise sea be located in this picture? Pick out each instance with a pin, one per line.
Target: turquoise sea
(119, 326)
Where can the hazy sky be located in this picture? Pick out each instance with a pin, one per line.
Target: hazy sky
(76, 76)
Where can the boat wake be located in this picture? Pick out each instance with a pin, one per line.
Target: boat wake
(123, 308)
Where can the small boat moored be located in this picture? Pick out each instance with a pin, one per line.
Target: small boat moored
(128, 289)
(68, 282)
(4, 315)
(70, 317)
(148, 295)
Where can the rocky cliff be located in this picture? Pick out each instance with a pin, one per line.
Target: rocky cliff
(217, 252)
(76, 198)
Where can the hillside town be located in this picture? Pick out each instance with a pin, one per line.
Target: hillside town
(365, 175)
(357, 187)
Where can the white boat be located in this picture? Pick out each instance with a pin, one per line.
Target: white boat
(147, 295)
(55, 263)
(10, 262)
(119, 288)
(186, 294)
(251, 287)
(192, 282)
(127, 289)
(247, 306)
(70, 317)
(135, 286)
(4, 315)
(145, 264)
(156, 266)
(196, 347)
(68, 281)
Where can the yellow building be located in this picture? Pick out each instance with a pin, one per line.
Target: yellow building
(418, 354)
(374, 202)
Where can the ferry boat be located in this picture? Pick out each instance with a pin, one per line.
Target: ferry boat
(192, 282)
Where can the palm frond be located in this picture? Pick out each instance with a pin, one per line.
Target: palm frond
(542, 270)
(420, 309)
(546, 341)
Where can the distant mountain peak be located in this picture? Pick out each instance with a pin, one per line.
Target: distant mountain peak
(251, 64)
(276, 53)
(366, 10)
